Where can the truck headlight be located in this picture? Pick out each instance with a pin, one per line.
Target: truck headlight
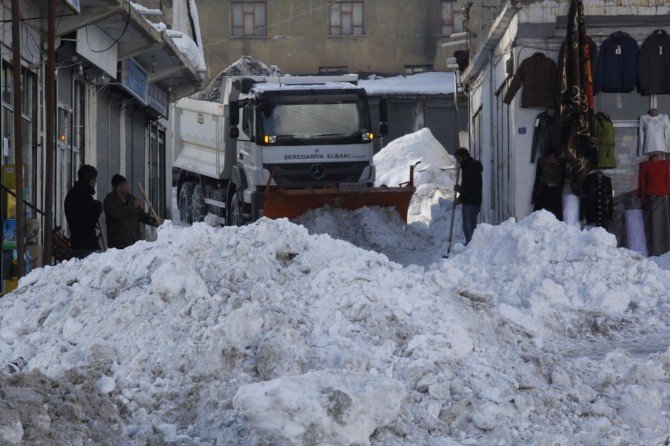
(270, 139)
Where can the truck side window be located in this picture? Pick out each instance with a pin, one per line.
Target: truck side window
(248, 121)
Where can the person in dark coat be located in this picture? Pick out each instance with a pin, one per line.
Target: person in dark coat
(537, 74)
(617, 65)
(653, 66)
(123, 215)
(470, 191)
(82, 212)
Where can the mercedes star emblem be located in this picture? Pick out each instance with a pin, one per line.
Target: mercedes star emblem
(317, 171)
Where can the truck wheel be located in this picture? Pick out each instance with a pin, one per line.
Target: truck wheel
(235, 216)
(198, 205)
(185, 199)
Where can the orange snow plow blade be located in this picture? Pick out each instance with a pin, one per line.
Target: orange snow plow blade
(291, 203)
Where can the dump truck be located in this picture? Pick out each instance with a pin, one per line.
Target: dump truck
(277, 147)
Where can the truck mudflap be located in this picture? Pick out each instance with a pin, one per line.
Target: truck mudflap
(291, 203)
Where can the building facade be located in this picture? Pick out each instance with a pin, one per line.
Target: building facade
(322, 36)
(116, 74)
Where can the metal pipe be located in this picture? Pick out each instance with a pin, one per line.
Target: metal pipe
(18, 140)
(50, 93)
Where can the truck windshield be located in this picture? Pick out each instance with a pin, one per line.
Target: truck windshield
(336, 122)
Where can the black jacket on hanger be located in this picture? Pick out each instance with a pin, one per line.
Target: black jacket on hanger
(654, 64)
(617, 64)
(546, 136)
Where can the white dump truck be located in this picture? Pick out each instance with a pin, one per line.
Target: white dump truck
(278, 146)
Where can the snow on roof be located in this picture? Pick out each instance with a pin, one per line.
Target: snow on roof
(143, 10)
(189, 49)
(421, 83)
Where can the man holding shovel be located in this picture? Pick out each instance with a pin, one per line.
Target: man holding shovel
(470, 191)
(123, 214)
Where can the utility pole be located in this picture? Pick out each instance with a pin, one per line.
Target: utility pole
(50, 91)
(18, 139)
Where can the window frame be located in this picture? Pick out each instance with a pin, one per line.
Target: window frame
(259, 31)
(451, 22)
(352, 3)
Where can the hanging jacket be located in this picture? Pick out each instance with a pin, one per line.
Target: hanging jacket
(617, 64)
(654, 64)
(597, 203)
(603, 131)
(545, 136)
(654, 179)
(593, 54)
(537, 74)
(654, 134)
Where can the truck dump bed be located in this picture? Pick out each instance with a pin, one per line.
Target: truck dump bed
(199, 138)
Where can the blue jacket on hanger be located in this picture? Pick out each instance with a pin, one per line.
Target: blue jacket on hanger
(617, 65)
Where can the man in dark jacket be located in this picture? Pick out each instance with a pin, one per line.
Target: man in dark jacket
(123, 214)
(82, 212)
(470, 191)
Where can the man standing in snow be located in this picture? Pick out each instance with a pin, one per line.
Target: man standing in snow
(470, 191)
(123, 214)
(82, 212)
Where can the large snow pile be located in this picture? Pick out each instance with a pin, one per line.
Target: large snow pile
(244, 66)
(266, 335)
(540, 272)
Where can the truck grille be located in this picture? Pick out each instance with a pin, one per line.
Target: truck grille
(293, 176)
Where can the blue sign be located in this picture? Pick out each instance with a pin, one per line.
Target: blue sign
(158, 100)
(73, 5)
(134, 78)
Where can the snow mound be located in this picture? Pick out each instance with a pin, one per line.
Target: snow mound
(539, 267)
(437, 166)
(264, 334)
(321, 407)
(244, 66)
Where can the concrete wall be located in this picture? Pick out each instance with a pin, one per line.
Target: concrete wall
(397, 33)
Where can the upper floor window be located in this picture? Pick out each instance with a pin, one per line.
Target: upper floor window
(249, 19)
(452, 18)
(346, 18)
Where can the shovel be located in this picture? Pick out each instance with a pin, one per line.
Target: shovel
(453, 213)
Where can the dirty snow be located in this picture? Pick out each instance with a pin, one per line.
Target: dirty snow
(206, 335)
(244, 66)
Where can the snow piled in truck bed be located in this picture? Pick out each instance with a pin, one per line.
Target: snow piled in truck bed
(266, 335)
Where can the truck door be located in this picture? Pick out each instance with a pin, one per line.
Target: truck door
(248, 141)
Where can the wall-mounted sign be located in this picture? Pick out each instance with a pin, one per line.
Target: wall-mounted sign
(158, 100)
(134, 78)
(91, 40)
(73, 5)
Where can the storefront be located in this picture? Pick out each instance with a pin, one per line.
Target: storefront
(503, 134)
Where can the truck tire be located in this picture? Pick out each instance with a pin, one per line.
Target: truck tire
(185, 198)
(198, 205)
(234, 207)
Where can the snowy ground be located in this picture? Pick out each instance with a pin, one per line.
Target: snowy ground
(280, 334)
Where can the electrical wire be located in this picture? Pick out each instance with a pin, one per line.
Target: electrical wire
(125, 28)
